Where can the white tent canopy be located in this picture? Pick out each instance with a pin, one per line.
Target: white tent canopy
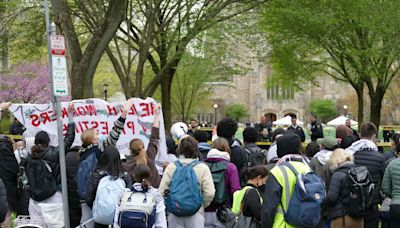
(287, 120)
(341, 120)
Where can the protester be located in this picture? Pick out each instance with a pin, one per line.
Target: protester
(348, 141)
(109, 165)
(202, 138)
(265, 135)
(263, 124)
(272, 151)
(338, 191)
(275, 191)
(249, 200)
(142, 184)
(348, 124)
(391, 188)
(146, 157)
(51, 153)
(93, 145)
(194, 124)
(316, 128)
(250, 136)
(366, 153)
(189, 153)
(392, 153)
(72, 163)
(226, 128)
(42, 180)
(296, 129)
(3, 202)
(8, 173)
(320, 160)
(342, 131)
(311, 149)
(218, 160)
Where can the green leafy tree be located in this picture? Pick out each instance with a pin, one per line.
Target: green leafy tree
(324, 108)
(236, 111)
(356, 42)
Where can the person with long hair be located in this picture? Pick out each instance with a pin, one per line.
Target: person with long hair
(189, 152)
(109, 164)
(338, 195)
(142, 183)
(140, 156)
(218, 159)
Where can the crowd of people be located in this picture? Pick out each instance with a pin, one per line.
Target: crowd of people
(333, 182)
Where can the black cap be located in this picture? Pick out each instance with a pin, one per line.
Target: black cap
(288, 144)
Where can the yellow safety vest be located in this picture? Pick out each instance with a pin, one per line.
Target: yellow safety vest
(238, 197)
(279, 173)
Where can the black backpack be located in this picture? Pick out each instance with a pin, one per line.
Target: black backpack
(361, 192)
(42, 184)
(254, 158)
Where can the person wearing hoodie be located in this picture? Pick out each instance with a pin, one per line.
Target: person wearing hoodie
(226, 128)
(319, 163)
(274, 203)
(390, 155)
(366, 154)
(220, 155)
(338, 194)
(202, 138)
(188, 151)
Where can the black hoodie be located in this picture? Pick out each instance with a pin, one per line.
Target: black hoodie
(8, 172)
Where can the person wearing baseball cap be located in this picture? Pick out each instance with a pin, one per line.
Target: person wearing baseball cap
(327, 145)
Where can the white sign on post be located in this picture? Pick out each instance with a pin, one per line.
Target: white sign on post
(60, 79)
(59, 65)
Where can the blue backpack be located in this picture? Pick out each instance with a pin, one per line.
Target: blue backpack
(184, 197)
(85, 169)
(304, 206)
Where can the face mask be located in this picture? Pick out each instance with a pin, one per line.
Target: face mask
(102, 138)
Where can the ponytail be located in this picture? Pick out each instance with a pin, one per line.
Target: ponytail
(142, 175)
(137, 151)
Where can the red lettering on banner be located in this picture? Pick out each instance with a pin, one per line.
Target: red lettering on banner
(94, 124)
(35, 120)
(86, 124)
(104, 129)
(145, 109)
(132, 110)
(152, 109)
(45, 117)
(91, 110)
(81, 111)
(131, 125)
(112, 110)
(53, 115)
(64, 113)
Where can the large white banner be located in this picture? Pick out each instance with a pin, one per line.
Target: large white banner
(95, 113)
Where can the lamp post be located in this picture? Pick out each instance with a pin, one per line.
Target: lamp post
(105, 88)
(345, 110)
(215, 114)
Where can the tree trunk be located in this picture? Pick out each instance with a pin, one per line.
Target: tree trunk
(376, 105)
(360, 105)
(166, 83)
(83, 65)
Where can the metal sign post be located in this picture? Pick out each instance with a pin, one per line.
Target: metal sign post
(58, 73)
